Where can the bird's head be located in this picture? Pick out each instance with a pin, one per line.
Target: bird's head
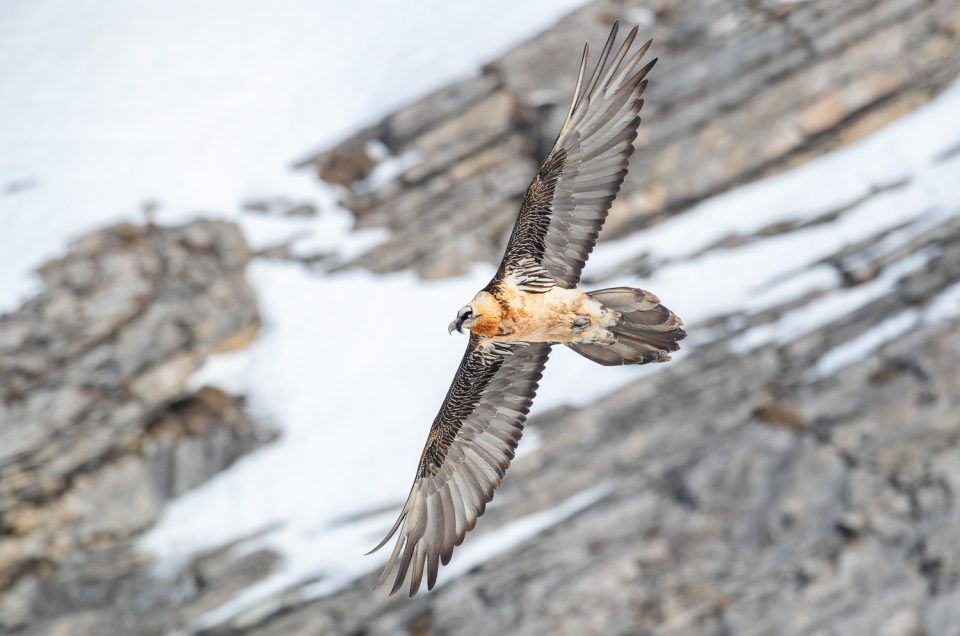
(481, 316)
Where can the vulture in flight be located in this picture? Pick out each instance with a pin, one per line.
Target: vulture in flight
(532, 303)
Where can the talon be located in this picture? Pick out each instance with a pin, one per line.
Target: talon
(580, 324)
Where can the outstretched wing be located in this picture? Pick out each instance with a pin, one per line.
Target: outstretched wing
(469, 448)
(568, 201)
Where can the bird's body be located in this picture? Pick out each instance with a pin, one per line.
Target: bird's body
(532, 303)
(515, 315)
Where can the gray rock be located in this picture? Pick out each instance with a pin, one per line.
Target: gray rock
(114, 503)
(408, 123)
(742, 90)
(943, 614)
(97, 426)
(101, 351)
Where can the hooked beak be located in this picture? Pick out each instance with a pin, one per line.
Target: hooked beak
(464, 316)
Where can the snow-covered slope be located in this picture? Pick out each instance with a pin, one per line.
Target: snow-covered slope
(207, 106)
(196, 107)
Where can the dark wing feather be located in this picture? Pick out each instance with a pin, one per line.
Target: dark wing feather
(568, 201)
(469, 448)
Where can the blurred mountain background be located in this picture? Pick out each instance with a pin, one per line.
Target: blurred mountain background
(250, 226)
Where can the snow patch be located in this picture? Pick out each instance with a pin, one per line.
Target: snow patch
(110, 105)
(800, 322)
(945, 306)
(819, 278)
(866, 343)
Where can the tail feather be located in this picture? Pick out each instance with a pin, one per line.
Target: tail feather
(646, 331)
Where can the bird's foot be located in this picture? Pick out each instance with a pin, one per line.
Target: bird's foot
(603, 337)
(581, 324)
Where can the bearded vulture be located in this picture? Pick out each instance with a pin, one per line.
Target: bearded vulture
(532, 303)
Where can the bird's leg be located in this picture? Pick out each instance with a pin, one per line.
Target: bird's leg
(581, 324)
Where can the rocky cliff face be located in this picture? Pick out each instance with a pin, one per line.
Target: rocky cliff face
(742, 494)
(742, 90)
(98, 427)
(794, 472)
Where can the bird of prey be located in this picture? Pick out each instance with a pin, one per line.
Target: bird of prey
(532, 303)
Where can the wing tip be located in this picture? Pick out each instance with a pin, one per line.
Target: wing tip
(390, 533)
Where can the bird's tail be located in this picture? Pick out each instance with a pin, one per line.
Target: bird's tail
(646, 331)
